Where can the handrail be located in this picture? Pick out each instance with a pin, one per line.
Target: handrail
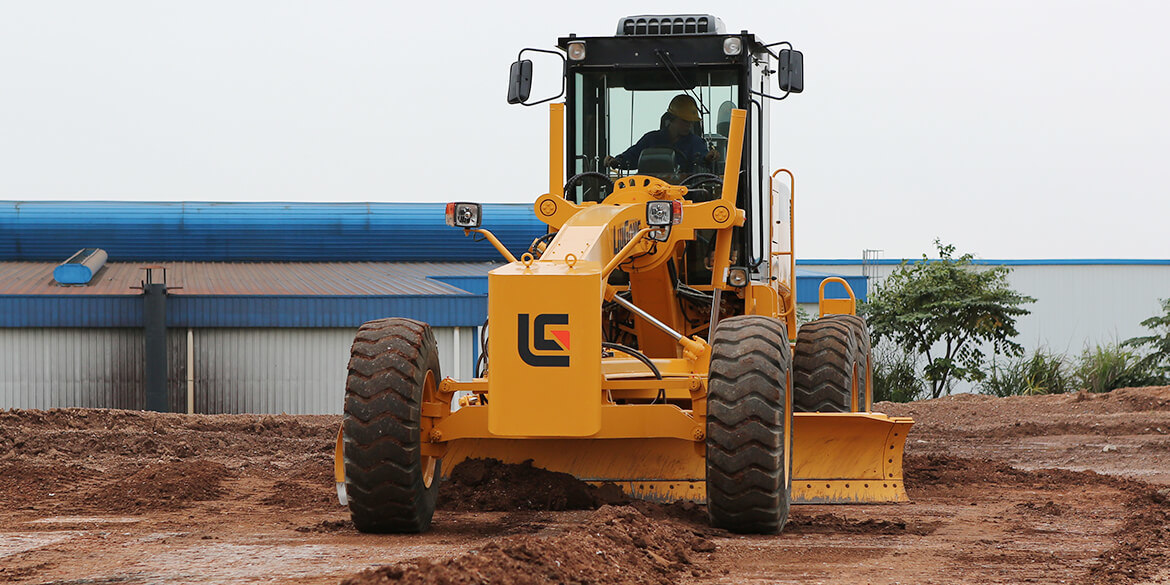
(791, 253)
(556, 148)
(848, 290)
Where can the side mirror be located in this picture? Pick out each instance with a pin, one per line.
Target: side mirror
(520, 82)
(791, 68)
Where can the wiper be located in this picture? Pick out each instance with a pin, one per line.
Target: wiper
(678, 78)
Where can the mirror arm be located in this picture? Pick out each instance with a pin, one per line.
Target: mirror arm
(770, 45)
(760, 93)
(564, 68)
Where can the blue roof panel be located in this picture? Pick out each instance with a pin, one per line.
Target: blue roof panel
(316, 232)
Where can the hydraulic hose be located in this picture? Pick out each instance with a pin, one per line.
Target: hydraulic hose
(642, 358)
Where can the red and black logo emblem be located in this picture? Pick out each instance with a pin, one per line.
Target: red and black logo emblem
(559, 343)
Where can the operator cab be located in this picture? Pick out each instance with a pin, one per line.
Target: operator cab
(620, 88)
(618, 91)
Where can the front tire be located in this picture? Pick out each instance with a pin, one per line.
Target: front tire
(393, 370)
(749, 425)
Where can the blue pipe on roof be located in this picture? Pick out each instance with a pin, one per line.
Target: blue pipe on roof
(183, 231)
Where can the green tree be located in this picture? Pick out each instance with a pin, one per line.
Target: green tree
(1157, 359)
(947, 310)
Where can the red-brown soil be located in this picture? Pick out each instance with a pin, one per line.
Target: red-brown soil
(1045, 489)
(490, 486)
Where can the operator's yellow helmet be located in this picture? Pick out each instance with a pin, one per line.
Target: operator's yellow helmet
(683, 106)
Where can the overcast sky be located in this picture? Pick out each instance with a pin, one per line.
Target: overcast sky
(1012, 129)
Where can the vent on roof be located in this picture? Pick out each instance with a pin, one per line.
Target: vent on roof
(672, 24)
(80, 267)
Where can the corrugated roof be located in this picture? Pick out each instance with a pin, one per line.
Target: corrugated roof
(251, 278)
(274, 294)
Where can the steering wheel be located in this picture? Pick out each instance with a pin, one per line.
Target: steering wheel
(698, 180)
(577, 178)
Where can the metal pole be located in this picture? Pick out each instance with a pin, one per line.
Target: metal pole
(190, 371)
(155, 334)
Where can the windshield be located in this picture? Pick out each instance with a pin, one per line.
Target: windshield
(671, 125)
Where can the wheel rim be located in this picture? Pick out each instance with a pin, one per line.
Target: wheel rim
(428, 462)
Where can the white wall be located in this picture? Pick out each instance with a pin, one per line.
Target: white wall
(1077, 305)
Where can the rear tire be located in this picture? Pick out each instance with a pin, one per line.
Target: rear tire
(391, 486)
(824, 366)
(749, 425)
(862, 356)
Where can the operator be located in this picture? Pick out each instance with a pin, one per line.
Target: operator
(677, 134)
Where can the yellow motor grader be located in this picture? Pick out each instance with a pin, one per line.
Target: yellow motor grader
(649, 339)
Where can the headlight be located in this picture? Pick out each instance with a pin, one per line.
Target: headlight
(663, 213)
(737, 276)
(576, 50)
(464, 215)
(732, 46)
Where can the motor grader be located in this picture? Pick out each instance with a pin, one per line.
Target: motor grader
(650, 339)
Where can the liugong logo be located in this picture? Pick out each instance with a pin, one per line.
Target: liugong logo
(540, 324)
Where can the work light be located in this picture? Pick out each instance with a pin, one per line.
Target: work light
(576, 50)
(464, 215)
(732, 46)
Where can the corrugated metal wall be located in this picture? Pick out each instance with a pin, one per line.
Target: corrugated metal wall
(97, 368)
(269, 370)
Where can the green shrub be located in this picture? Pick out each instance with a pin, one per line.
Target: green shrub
(1109, 367)
(1156, 346)
(802, 317)
(1042, 373)
(895, 375)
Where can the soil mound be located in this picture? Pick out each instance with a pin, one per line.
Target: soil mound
(614, 545)
(1125, 411)
(301, 495)
(839, 524)
(163, 485)
(492, 486)
(948, 471)
(30, 482)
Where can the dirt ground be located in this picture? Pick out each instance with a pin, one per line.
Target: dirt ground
(1047, 489)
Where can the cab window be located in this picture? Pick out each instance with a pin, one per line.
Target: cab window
(623, 124)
